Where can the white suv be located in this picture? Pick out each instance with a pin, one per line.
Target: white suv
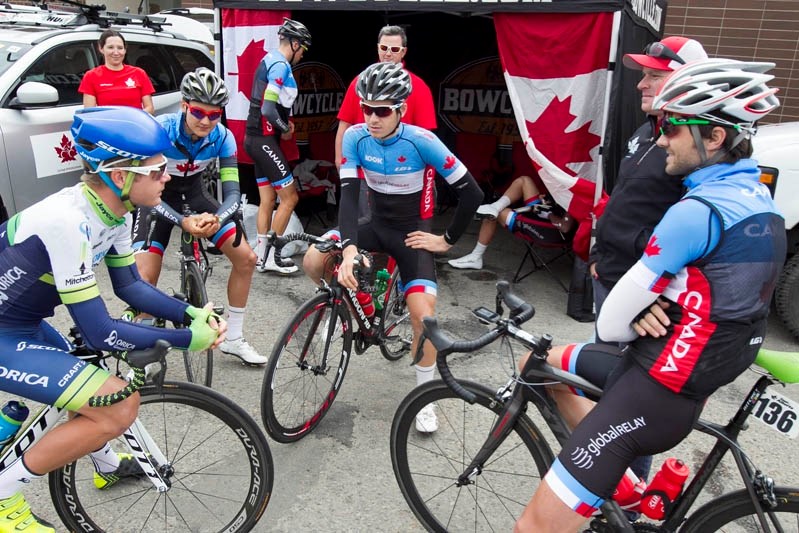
(43, 56)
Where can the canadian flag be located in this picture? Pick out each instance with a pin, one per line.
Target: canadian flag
(556, 70)
(246, 36)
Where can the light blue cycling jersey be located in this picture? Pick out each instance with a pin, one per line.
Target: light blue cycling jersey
(189, 157)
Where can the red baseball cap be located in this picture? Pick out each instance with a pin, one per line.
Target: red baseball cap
(666, 54)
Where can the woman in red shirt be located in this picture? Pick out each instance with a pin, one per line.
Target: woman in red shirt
(116, 83)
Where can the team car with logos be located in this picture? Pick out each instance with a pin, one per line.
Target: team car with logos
(43, 56)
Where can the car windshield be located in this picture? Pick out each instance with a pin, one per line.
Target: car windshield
(10, 52)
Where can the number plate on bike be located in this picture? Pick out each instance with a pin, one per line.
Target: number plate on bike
(779, 413)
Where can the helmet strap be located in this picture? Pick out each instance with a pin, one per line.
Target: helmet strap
(124, 192)
(719, 155)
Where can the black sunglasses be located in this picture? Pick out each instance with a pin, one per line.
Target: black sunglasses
(381, 111)
(661, 51)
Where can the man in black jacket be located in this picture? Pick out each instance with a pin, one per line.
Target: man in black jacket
(644, 191)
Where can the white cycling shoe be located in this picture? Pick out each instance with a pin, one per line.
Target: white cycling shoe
(468, 261)
(487, 211)
(242, 349)
(426, 419)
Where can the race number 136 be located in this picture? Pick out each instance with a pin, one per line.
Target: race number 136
(778, 413)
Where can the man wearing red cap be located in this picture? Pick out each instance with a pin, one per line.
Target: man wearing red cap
(644, 191)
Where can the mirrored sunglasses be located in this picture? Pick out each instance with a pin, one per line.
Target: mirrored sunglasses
(668, 125)
(154, 171)
(200, 113)
(661, 51)
(393, 49)
(381, 111)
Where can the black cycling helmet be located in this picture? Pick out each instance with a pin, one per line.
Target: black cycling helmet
(291, 29)
(384, 81)
(204, 86)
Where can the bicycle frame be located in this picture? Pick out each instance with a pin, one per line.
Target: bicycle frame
(136, 437)
(538, 373)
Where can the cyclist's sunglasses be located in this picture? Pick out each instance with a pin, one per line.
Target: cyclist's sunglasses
(394, 49)
(668, 125)
(381, 111)
(154, 171)
(661, 51)
(200, 113)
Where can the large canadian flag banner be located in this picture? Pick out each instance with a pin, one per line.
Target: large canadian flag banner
(556, 70)
(246, 36)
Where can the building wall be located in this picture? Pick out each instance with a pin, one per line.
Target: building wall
(761, 30)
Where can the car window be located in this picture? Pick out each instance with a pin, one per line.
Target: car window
(63, 67)
(189, 59)
(10, 52)
(151, 59)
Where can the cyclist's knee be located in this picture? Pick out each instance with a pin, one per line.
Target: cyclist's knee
(288, 198)
(313, 264)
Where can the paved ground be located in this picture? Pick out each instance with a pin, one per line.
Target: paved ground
(340, 477)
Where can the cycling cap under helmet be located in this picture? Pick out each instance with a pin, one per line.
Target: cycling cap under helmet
(291, 29)
(384, 81)
(725, 92)
(108, 135)
(204, 86)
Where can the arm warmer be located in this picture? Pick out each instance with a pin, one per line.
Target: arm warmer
(469, 198)
(348, 209)
(269, 112)
(129, 287)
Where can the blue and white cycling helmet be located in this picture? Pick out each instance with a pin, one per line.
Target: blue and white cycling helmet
(105, 136)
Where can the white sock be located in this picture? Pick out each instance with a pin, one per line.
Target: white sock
(235, 322)
(479, 249)
(502, 203)
(105, 459)
(424, 374)
(15, 478)
(260, 246)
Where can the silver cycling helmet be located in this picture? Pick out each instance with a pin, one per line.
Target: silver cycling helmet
(204, 86)
(384, 81)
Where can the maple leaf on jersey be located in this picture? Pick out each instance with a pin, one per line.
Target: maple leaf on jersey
(652, 247)
(247, 62)
(402, 159)
(187, 167)
(66, 151)
(449, 162)
(279, 81)
(343, 160)
(558, 145)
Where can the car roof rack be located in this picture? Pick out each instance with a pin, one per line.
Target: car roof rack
(42, 15)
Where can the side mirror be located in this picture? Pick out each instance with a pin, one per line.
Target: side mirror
(34, 94)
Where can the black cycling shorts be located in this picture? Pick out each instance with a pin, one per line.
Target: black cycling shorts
(271, 166)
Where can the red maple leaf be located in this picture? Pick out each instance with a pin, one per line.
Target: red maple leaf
(449, 162)
(652, 248)
(187, 167)
(343, 160)
(247, 62)
(552, 140)
(66, 152)
(279, 81)
(402, 159)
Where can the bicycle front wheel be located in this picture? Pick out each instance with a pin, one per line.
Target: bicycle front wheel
(199, 365)
(427, 465)
(301, 380)
(735, 513)
(218, 467)
(397, 329)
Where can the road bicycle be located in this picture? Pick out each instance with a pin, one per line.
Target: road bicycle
(310, 357)
(479, 470)
(206, 464)
(194, 271)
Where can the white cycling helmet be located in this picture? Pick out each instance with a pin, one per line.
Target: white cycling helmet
(725, 92)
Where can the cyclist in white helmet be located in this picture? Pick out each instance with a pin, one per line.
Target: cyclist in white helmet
(713, 273)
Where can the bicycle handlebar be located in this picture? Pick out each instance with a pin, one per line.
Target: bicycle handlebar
(137, 359)
(520, 312)
(325, 245)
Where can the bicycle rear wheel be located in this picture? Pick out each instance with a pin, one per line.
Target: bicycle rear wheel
(218, 464)
(427, 465)
(397, 327)
(735, 513)
(300, 383)
(199, 365)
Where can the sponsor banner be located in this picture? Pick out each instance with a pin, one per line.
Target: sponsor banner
(54, 153)
(318, 101)
(474, 99)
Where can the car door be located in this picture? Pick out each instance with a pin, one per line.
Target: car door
(40, 155)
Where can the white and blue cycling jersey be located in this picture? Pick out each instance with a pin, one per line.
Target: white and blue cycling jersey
(273, 83)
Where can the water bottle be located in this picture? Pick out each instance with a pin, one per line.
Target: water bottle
(365, 299)
(629, 491)
(381, 285)
(12, 415)
(666, 485)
